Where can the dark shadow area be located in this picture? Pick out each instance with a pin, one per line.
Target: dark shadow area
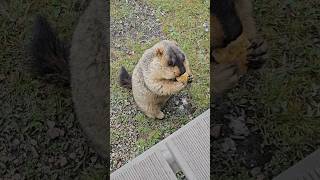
(54, 106)
(267, 118)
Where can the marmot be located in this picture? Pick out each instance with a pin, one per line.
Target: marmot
(162, 71)
(83, 66)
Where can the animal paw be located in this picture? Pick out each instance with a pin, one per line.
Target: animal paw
(257, 53)
(190, 78)
(160, 115)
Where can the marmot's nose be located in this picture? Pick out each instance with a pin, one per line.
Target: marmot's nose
(182, 70)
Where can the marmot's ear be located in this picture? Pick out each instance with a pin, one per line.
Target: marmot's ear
(159, 51)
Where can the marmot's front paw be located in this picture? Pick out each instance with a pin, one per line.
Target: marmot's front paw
(257, 53)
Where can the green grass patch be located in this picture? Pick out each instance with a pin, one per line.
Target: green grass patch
(119, 9)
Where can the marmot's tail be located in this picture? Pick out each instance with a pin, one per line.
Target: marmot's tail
(50, 55)
(125, 78)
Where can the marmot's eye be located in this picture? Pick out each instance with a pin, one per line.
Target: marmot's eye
(170, 63)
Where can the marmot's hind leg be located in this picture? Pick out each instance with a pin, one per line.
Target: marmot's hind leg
(153, 112)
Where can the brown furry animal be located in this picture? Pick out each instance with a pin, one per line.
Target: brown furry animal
(89, 69)
(234, 42)
(156, 77)
(84, 67)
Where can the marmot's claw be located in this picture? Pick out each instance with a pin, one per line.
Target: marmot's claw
(190, 78)
(257, 55)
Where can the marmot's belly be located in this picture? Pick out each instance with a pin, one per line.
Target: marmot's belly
(142, 95)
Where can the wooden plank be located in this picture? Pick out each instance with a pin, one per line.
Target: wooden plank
(306, 169)
(148, 166)
(190, 146)
(187, 149)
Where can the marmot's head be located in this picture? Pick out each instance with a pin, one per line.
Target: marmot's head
(169, 59)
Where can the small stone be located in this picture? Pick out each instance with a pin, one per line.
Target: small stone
(71, 117)
(2, 77)
(98, 166)
(34, 152)
(206, 26)
(119, 164)
(215, 131)
(93, 159)
(51, 160)
(4, 159)
(184, 101)
(16, 177)
(33, 142)
(17, 161)
(51, 124)
(66, 146)
(243, 101)
(15, 142)
(239, 127)
(260, 177)
(63, 161)
(53, 133)
(228, 144)
(55, 176)
(61, 132)
(237, 137)
(2, 165)
(72, 155)
(181, 108)
(130, 53)
(255, 171)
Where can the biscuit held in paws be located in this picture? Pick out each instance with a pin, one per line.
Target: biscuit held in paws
(235, 53)
(183, 78)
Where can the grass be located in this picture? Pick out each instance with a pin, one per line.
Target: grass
(120, 10)
(183, 24)
(290, 90)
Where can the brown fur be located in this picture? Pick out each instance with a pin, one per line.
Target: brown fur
(244, 11)
(89, 75)
(154, 80)
(245, 52)
(216, 32)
